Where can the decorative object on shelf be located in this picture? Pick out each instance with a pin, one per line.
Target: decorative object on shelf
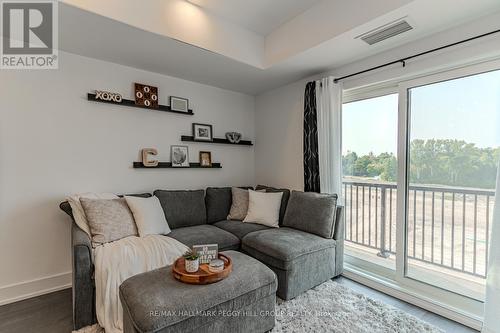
(108, 96)
(190, 138)
(206, 252)
(146, 95)
(180, 156)
(191, 261)
(202, 132)
(179, 104)
(205, 158)
(233, 137)
(145, 153)
(203, 275)
(216, 265)
(168, 165)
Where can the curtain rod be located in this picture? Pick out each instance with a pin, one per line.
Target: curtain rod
(403, 60)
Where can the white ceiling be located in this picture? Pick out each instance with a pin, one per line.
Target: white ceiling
(97, 35)
(260, 16)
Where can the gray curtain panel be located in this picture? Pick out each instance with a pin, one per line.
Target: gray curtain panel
(311, 157)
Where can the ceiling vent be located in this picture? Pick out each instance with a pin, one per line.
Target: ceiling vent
(386, 31)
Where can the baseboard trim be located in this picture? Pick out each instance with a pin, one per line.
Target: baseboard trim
(36, 287)
(407, 296)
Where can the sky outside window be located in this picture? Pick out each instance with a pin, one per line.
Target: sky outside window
(464, 109)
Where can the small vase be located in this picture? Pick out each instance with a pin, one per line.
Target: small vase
(192, 266)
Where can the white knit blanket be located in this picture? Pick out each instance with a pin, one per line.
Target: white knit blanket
(117, 261)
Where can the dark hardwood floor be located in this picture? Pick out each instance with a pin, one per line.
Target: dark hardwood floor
(51, 313)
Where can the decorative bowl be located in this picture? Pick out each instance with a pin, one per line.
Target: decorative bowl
(233, 137)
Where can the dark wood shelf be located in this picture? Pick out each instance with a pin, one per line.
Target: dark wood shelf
(131, 103)
(166, 165)
(217, 140)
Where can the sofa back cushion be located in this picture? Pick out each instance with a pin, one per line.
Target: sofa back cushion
(312, 212)
(218, 202)
(284, 198)
(183, 208)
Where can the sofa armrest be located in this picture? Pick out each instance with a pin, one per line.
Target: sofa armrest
(338, 235)
(83, 282)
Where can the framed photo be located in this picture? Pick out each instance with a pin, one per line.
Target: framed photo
(180, 156)
(205, 159)
(202, 132)
(179, 104)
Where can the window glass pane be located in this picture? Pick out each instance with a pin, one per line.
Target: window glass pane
(369, 144)
(453, 153)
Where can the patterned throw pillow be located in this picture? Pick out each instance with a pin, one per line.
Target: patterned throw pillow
(109, 220)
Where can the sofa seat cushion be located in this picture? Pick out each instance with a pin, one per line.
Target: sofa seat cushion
(240, 229)
(281, 247)
(206, 234)
(193, 308)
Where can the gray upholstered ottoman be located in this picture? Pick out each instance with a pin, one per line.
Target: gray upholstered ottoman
(243, 302)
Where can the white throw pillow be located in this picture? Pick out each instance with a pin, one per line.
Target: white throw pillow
(149, 216)
(77, 209)
(264, 208)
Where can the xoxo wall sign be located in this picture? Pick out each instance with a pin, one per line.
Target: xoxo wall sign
(108, 96)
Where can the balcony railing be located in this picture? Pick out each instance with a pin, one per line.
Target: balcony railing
(447, 226)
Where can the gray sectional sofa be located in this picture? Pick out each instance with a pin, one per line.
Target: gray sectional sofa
(301, 259)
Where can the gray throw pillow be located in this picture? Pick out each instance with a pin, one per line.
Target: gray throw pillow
(239, 205)
(311, 212)
(109, 220)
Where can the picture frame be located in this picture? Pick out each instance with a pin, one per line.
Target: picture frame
(179, 156)
(179, 104)
(202, 132)
(205, 159)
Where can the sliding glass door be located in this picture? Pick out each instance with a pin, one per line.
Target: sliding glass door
(420, 160)
(453, 152)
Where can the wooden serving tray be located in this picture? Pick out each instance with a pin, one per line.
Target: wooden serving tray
(203, 275)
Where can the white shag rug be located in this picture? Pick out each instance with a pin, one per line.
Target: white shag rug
(334, 308)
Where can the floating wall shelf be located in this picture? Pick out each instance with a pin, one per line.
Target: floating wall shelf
(166, 165)
(131, 103)
(217, 140)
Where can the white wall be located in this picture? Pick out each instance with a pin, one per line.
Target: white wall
(279, 113)
(53, 142)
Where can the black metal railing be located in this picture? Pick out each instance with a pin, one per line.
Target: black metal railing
(446, 226)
